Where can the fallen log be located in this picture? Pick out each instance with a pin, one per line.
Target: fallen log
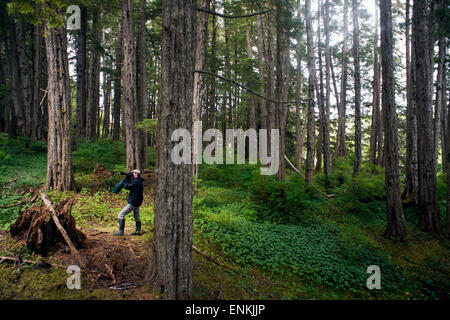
(61, 229)
(21, 261)
(210, 258)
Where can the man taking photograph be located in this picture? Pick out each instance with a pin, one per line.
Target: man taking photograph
(132, 182)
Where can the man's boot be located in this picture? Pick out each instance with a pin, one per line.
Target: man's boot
(138, 229)
(121, 228)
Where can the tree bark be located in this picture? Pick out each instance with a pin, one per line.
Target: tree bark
(106, 104)
(282, 86)
(171, 259)
(320, 96)
(429, 214)
(81, 77)
(117, 84)
(341, 146)
(19, 112)
(25, 77)
(311, 83)
(261, 50)
(36, 122)
(395, 219)
(358, 153)
(59, 141)
(299, 136)
(94, 78)
(327, 149)
(199, 87)
(251, 96)
(441, 86)
(129, 87)
(143, 94)
(411, 174)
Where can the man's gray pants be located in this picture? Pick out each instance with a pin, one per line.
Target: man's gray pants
(128, 208)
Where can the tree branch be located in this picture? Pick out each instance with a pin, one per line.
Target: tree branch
(233, 17)
(245, 88)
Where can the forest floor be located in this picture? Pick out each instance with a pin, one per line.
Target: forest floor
(258, 238)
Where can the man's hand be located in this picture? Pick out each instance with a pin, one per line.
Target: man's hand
(128, 176)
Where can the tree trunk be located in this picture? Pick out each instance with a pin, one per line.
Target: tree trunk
(298, 94)
(320, 96)
(358, 153)
(210, 118)
(25, 77)
(199, 87)
(429, 214)
(447, 229)
(129, 87)
(411, 174)
(270, 70)
(106, 104)
(326, 150)
(395, 219)
(441, 84)
(36, 122)
(310, 108)
(341, 146)
(59, 141)
(282, 87)
(81, 76)
(261, 50)
(171, 269)
(94, 78)
(249, 84)
(143, 94)
(117, 83)
(16, 87)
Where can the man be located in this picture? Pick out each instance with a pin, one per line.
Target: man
(132, 182)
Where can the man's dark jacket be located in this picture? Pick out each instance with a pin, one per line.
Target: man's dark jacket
(136, 190)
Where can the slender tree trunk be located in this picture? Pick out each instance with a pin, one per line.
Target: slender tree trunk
(320, 96)
(143, 94)
(326, 150)
(375, 95)
(94, 78)
(261, 50)
(16, 87)
(117, 84)
(441, 94)
(25, 77)
(342, 148)
(81, 76)
(36, 123)
(310, 108)
(199, 87)
(212, 102)
(129, 87)
(298, 94)
(282, 87)
(411, 174)
(429, 214)
(59, 142)
(270, 69)
(251, 96)
(228, 73)
(447, 229)
(106, 104)
(358, 152)
(395, 219)
(171, 268)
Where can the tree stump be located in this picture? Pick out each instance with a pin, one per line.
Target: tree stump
(37, 227)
